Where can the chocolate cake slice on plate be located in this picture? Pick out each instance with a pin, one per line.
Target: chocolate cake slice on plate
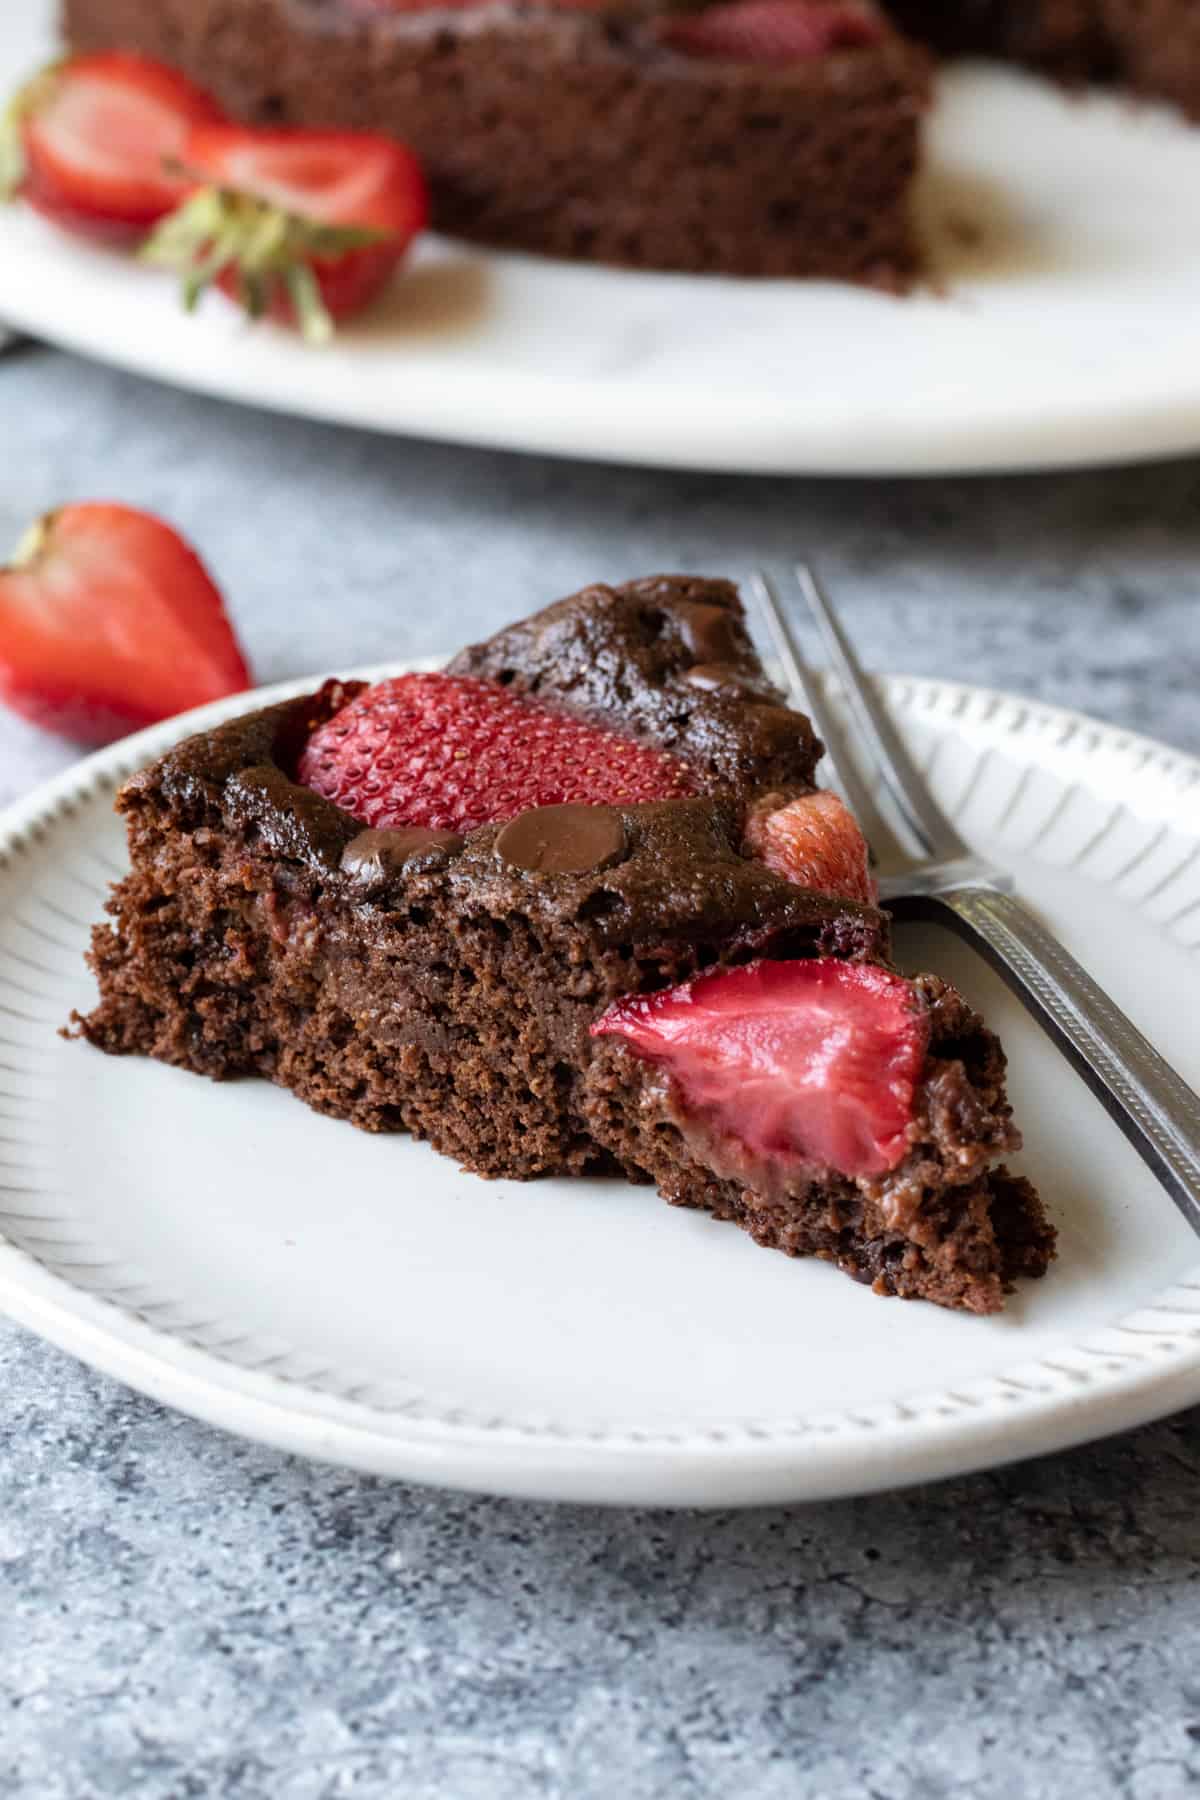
(576, 904)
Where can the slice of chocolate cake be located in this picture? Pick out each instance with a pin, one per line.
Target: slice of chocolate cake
(576, 904)
(775, 137)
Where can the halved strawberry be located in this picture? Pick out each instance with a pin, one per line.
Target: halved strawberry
(772, 31)
(454, 752)
(93, 143)
(815, 842)
(305, 227)
(809, 1062)
(109, 621)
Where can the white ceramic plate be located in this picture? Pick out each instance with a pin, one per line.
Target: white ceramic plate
(1066, 240)
(359, 1299)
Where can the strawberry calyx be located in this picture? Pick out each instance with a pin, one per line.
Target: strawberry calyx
(32, 542)
(268, 252)
(25, 103)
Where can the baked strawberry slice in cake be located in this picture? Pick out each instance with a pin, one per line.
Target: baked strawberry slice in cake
(576, 904)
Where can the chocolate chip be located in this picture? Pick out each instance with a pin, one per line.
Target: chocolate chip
(708, 631)
(563, 840)
(719, 677)
(371, 858)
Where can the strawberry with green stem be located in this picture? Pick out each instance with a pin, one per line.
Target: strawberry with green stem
(305, 227)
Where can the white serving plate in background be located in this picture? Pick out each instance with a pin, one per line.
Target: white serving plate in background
(1061, 329)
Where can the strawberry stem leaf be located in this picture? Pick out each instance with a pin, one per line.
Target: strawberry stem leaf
(12, 154)
(316, 326)
(32, 542)
(270, 251)
(25, 102)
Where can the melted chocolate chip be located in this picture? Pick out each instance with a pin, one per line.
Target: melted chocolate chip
(372, 857)
(717, 677)
(707, 631)
(563, 840)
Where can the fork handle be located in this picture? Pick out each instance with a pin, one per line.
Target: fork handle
(1154, 1107)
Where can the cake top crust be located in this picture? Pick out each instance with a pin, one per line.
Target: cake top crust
(635, 873)
(619, 31)
(669, 660)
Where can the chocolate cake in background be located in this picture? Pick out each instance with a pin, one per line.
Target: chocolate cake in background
(580, 133)
(1149, 46)
(1156, 45)
(599, 132)
(487, 988)
(1065, 38)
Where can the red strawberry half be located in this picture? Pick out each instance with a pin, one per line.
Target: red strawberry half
(811, 1062)
(94, 142)
(815, 842)
(772, 31)
(305, 227)
(454, 752)
(108, 621)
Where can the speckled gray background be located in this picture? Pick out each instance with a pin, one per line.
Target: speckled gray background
(185, 1615)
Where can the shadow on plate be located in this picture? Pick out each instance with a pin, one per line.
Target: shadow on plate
(430, 300)
(970, 230)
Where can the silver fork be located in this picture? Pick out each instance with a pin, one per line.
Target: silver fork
(946, 881)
